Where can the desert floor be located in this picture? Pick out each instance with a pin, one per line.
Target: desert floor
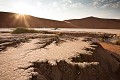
(55, 57)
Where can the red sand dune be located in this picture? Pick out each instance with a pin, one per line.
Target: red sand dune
(11, 20)
(97, 23)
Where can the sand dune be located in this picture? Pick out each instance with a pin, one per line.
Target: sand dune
(96, 23)
(12, 20)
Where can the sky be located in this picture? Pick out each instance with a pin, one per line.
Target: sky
(63, 9)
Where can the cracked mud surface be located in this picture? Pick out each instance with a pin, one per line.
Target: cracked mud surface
(51, 57)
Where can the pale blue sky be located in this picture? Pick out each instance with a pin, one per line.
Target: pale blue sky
(63, 9)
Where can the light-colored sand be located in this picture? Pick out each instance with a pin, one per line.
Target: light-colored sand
(14, 58)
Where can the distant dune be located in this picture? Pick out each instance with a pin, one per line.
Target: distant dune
(11, 20)
(97, 23)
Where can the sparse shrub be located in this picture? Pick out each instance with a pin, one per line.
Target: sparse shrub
(58, 33)
(117, 42)
(105, 37)
(101, 39)
(24, 30)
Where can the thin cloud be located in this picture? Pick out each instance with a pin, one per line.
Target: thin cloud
(116, 5)
(106, 3)
(77, 5)
(67, 1)
(65, 4)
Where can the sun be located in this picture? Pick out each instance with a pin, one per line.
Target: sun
(21, 8)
